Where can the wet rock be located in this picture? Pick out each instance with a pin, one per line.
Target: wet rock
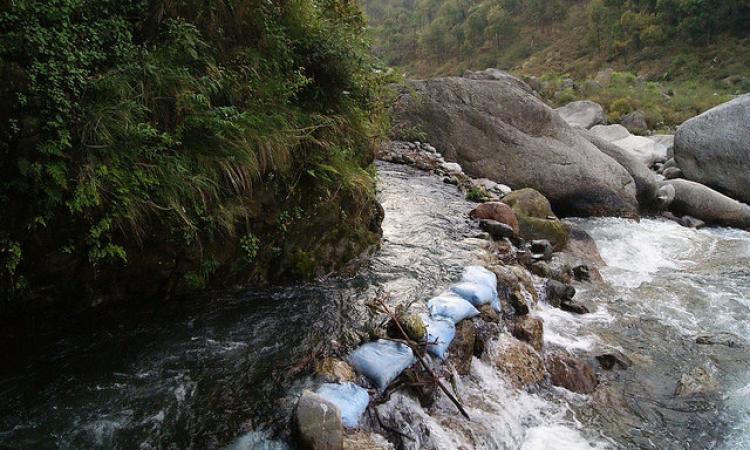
(692, 222)
(699, 381)
(725, 339)
(558, 293)
(518, 302)
(527, 283)
(486, 331)
(582, 272)
(609, 361)
(541, 249)
(488, 313)
(332, 370)
(319, 423)
(571, 373)
(361, 440)
(530, 330)
(559, 271)
(574, 307)
(518, 361)
(635, 122)
(498, 231)
(496, 211)
(461, 349)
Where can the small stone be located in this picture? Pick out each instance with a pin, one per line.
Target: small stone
(451, 168)
(574, 307)
(332, 370)
(582, 273)
(672, 173)
(557, 293)
(519, 303)
(497, 230)
(571, 373)
(608, 361)
(699, 381)
(530, 330)
(541, 249)
(319, 423)
(692, 222)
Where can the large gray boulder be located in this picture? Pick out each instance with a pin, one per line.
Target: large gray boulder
(714, 148)
(704, 203)
(495, 129)
(647, 185)
(582, 114)
(647, 150)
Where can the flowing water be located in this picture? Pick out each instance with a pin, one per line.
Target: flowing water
(222, 371)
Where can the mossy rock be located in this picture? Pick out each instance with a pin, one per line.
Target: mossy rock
(552, 230)
(413, 326)
(529, 202)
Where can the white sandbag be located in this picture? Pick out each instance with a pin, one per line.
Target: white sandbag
(352, 400)
(475, 293)
(479, 274)
(451, 306)
(440, 334)
(382, 361)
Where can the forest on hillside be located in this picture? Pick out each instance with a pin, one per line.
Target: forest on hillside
(425, 34)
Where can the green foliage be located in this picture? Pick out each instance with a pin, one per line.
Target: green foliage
(129, 122)
(478, 194)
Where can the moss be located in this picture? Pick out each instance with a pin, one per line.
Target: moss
(552, 230)
(529, 202)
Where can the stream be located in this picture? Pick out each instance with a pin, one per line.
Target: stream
(222, 371)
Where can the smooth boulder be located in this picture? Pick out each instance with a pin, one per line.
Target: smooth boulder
(535, 217)
(582, 114)
(496, 129)
(714, 148)
(645, 180)
(319, 423)
(704, 203)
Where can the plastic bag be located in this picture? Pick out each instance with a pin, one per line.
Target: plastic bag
(382, 361)
(440, 334)
(475, 293)
(352, 400)
(451, 306)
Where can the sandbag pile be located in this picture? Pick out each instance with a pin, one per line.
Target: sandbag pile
(383, 360)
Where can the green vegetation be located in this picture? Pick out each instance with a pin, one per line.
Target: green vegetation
(188, 137)
(680, 52)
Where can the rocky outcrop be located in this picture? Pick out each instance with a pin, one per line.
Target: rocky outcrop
(714, 148)
(699, 381)
(530, 330)
(704, 203)
(582, 114)
(496, 129)
(319, 423)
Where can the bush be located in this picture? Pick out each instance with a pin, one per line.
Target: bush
(129, 124)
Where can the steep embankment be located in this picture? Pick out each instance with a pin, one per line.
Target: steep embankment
(156, 149)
